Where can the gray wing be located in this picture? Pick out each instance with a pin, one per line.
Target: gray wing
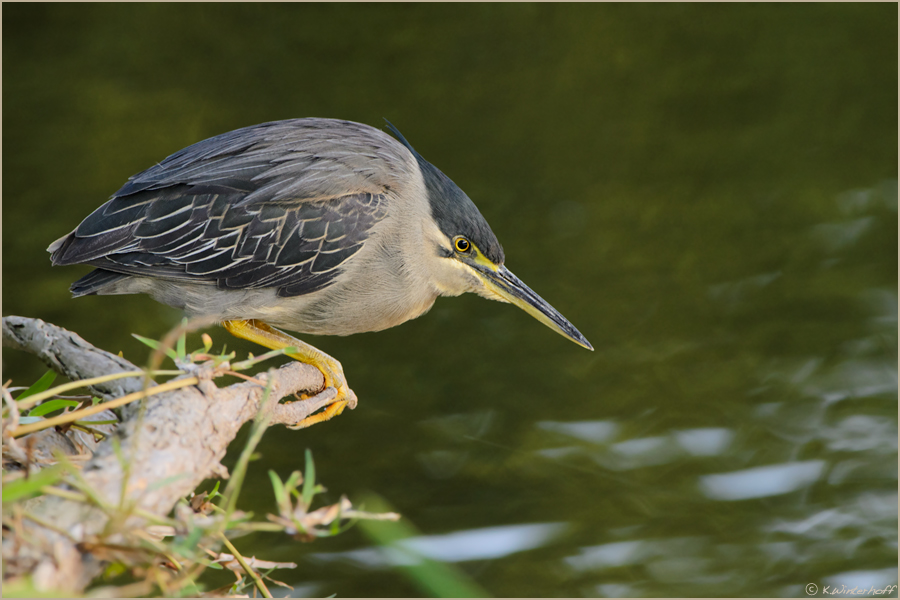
(280, 205)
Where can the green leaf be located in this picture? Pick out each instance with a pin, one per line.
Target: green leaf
(318, 489)
(309, 479)
(180, 345)
(114, 570)
(155, 345)
(277, 486)
(292, 482)
(433, 578)
(23, 587)
(48, 407)
(26, 488)
(39, 386)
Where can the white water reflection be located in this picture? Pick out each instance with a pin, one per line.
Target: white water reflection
(872, 515)
(604, 449)
(854, 378)
(863, 433)
(595, 432)
(633, 552)
(760, 482)
(616, 554)
(837, 236)
(864, 200)
(708, 441)
(858, 583)
(459, 546)
(638, 452)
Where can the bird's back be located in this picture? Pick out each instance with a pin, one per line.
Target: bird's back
(278, 206)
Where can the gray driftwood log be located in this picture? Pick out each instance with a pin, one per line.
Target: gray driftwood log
(177, 444)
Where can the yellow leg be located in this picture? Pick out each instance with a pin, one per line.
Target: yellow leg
(258, 332)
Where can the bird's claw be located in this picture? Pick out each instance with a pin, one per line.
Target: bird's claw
(344, 398)
(332, 410)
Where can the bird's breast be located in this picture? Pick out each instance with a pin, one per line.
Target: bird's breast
(379, 288)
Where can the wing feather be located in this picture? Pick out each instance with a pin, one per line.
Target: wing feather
(281, 205)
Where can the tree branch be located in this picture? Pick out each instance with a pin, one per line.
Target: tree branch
(169, 450)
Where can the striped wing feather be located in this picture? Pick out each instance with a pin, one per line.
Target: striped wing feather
(278, 205)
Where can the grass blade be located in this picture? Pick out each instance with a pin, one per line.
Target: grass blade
(309, 479)
(49, 407)
(434, 578)
(39, 386)
(155, 345)
(25, 488)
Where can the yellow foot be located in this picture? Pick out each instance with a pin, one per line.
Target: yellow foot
(261, 333)
(333, 409)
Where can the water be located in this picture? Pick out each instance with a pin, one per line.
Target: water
(709, 193)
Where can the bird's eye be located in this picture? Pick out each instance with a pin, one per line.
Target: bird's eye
(462, 244)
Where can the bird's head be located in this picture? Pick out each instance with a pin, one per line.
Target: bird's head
(471, 258)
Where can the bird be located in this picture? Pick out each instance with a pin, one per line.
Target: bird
(313, 225)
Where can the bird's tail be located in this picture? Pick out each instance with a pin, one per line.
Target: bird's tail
(94, 282)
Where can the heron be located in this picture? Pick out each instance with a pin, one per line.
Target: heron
(313, 225)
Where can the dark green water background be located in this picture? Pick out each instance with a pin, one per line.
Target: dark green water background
(708, 192)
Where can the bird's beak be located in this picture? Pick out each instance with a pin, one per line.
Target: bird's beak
(503, 283)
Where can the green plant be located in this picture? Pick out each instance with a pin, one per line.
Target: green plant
(164, 554)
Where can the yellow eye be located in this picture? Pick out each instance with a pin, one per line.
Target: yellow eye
(462, 244)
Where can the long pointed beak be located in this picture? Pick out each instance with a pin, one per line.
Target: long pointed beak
(502, 282)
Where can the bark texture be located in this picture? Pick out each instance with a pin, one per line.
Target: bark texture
(171, 446)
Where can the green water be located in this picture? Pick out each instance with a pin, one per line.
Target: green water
(708, 192)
